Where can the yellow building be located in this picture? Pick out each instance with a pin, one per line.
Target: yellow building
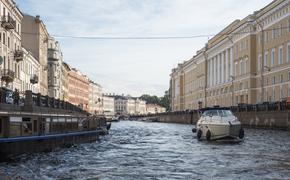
(273, 22)
(232, 64)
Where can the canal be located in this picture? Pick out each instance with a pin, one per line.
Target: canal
(139, 150)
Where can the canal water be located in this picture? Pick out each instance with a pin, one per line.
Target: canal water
(139, 150)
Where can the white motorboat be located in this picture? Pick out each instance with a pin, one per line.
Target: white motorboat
(218, 124)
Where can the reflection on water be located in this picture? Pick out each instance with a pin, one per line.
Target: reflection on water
(138, 150)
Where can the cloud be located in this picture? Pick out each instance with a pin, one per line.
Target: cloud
(135, 66)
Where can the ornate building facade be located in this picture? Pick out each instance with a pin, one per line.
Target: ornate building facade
(247, 62)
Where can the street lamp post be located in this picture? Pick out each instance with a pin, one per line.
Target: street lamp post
(232, 80)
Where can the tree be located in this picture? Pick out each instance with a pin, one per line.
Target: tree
(150, 99)
(165, 101)
(161, 101)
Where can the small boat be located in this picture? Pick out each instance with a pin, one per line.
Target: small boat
(218, 123)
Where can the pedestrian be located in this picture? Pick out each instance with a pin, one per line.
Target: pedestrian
(16, 97)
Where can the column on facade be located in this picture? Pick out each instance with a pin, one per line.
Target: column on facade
(214, 71)
(208, 73)
(232, 62)
(227, 66)
(222, 69)
(219, 69)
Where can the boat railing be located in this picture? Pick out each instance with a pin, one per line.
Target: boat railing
(23, 127)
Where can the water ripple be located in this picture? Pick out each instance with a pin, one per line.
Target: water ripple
(138, 150)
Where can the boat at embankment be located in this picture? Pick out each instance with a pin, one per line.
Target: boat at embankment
(44, 124)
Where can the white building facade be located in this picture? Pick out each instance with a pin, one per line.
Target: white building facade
(140, 107)
(121, 105)
(109, 106)
(29, 73)
(10, 44)
(54, 65)
(154, 109)
(126, 105)
(95, 98)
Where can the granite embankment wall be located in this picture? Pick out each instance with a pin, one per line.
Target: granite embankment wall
(254, 119)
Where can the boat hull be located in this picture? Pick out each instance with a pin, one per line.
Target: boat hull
(12, 147)
(220, 131)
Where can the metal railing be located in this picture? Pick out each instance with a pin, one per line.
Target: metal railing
(36, 100)
(7, 75)
(8, 22)
(18, 55)
(266, 106)
(50, 102)
(34, 79)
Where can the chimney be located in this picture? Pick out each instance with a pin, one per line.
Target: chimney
(37, 19)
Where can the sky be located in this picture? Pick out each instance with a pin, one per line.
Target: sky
(134, 66)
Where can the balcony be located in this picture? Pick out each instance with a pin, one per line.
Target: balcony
(53, 56)
(7, 75)
(8, 23)
(34, 79)
(18, 55)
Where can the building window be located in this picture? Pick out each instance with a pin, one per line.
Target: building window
(266, 37)
(246, 66)
(18, 28)
(281, 93)
(8, 42)
(274, 80)
(289, 25)
(266, 59)
(288, 90)
(272, 57)
(4, 38)
(289, 76)
(259, 62)
(281, 78)
(241, 67)
(280, 55)
(280, 29)
(273, 94)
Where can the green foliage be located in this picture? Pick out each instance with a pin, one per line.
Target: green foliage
(165, 101)
(161, 101)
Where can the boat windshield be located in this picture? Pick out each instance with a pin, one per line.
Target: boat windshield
(225, 113)
(210, 113)
(222, 113)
